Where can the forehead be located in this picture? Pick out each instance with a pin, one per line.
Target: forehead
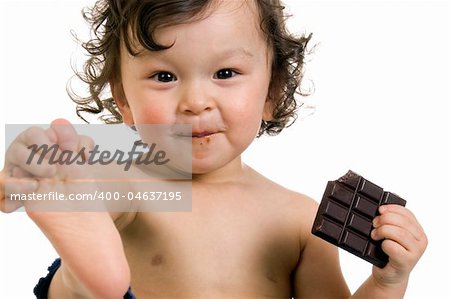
(223, 24)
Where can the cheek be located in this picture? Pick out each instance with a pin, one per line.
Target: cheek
(145, 106)
(150, 114)
(248, 104)
(245, 114)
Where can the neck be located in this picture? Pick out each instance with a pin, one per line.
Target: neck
(231, 172)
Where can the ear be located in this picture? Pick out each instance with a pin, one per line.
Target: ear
(121, 102)
(268, 110)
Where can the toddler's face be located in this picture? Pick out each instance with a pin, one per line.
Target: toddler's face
(215, 77)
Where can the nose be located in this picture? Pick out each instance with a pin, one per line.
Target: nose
(195, 99)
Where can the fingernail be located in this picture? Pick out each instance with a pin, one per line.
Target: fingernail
(375, 222)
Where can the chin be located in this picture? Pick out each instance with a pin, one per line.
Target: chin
(205, 166)
(201, 169)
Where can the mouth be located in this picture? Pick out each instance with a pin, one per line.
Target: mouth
(201, 134)
(198, 138)
(197, 134)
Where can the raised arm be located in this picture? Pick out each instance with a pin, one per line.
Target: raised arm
(93, 261)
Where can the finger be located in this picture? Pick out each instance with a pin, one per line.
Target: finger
(403, 220)
(416, 229)
(395, 233)
(399, 257)
(397, 209)
(67, 137)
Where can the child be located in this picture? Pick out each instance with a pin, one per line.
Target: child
(230, 70)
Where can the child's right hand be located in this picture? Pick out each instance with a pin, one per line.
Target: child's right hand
(93, 261)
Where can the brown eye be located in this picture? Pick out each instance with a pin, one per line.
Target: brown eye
(164, 77)
(225, 74)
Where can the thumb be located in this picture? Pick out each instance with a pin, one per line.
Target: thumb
(66, 136)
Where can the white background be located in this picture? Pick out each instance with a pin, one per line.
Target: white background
(381, 74)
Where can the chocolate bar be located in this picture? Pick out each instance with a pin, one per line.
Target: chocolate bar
(346, 212)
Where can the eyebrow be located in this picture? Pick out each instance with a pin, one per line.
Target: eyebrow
(225, 54)
(235, 52)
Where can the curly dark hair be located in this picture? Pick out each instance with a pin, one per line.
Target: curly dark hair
(110, 20)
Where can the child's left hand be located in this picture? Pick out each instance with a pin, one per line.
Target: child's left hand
(404, 243)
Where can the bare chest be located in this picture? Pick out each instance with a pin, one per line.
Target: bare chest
(222, 246)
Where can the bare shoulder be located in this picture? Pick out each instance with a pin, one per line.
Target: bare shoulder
(296, 208)
(317, 273)
(284, 196)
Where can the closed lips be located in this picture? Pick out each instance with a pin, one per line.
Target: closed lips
(201, 134)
